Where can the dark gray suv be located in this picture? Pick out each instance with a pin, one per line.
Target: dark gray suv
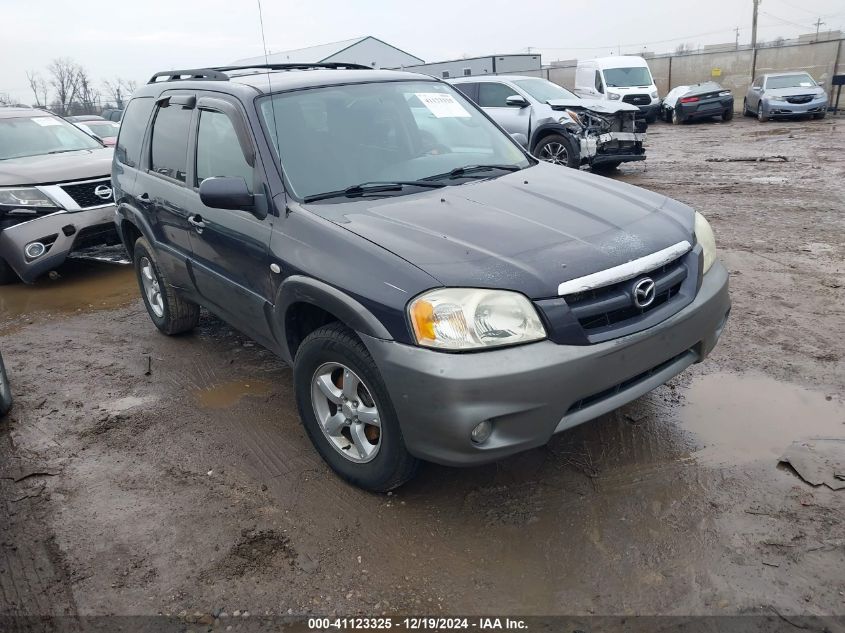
(440, 294)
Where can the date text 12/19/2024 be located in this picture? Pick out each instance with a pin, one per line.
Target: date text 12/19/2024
(416, 624)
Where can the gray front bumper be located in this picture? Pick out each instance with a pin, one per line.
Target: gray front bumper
(533, 391)
(15, 238)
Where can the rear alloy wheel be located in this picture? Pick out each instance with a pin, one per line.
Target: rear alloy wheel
(558, 150)
(676, 117)
(345, 408)
(170, 313)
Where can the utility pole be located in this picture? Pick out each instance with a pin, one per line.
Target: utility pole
(754, 24)
(818, 24)
(737, 38)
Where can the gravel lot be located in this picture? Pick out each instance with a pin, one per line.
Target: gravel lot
(144, 475)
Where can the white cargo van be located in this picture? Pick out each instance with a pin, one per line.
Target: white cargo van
(623, 77)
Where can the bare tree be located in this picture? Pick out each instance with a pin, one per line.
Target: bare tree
(119, 90)
(88, 94)
(64, 78)
(38, 86)
(5, 99)
(683, 48)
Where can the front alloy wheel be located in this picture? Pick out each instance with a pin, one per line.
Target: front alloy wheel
(346, 412)
(554, 153)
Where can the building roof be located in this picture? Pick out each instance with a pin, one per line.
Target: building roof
(314, 54)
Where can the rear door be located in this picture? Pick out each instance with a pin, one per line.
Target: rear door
(230, 260)
(492, 96)
(160, 186)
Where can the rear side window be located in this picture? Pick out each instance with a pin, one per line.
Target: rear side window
(169, 151)
(494, 95)
(218, 150)
(132, 128)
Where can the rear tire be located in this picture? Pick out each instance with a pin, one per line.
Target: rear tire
(728, 115)
(375, 458)
(745, 110)
(651, 117)
(676, 117)
(7, 275)
(558, 150)
(667, 115)
(5, 390)
(170, 313)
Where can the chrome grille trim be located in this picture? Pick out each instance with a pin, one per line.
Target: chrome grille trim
(625, 271)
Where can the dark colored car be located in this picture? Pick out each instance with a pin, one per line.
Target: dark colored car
(5, 390)
(55, 193)
(700, 101)
(113, 114)
(440, 294)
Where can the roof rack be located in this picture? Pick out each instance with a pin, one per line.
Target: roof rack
(219, 73)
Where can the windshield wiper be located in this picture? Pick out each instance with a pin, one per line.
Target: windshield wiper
(468, 170)
(372, 187)
(62, 151)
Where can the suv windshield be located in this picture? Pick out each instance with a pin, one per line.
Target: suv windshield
(801, 80)
(627, 77)
(543, 90)
(32, 136)
(331, 139)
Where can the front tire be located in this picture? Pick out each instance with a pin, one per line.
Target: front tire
(558, 150)
(170, 313)
(761, 117)
(651, 117)
(606, 167)
(345, 408)
(745, 110)
(819, 115)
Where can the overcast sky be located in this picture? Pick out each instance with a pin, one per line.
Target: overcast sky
(133, 39)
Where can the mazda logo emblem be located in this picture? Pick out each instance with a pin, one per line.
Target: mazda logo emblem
(644, 292)
(103, 192)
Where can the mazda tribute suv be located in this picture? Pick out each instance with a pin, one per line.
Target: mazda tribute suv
(440, 294)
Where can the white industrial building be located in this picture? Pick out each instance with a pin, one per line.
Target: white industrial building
(367, 50)
(474, 66)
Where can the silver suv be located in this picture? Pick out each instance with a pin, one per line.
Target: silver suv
(55, 193)
(557, 125)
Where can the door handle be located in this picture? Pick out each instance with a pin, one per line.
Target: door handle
(144, 197)
(196, 222)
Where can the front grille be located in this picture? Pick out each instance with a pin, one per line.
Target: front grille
(614, 304)
(83, 193)
(799, 99)
(583, 403)
(637, 100)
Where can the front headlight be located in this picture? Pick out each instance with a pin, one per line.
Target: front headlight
(613, 96)
(655, 94)
(571, 115)
(24, 197)
(471, 318)
(776, 98)
(705, 237)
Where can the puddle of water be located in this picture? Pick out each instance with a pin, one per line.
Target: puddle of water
(742, 418)
(227, 394)
(83, 285)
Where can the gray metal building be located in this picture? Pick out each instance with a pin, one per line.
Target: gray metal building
(366, 50)
(473, 66)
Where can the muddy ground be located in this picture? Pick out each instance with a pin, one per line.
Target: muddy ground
(144, 475)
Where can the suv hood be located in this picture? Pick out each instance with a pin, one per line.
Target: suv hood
(50, 168)
(602, 107)
(526, 231)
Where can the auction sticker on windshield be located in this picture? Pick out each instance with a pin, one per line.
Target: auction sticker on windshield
(46, 121)
(442, 105)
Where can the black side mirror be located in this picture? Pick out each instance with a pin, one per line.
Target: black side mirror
(516, 101)
(226, 193)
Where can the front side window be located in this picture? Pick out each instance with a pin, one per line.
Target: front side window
(627, 77)
(34, 136)
(798, 80)
(218, 150)
(169, 151)
(599, 85)
(329, 139)
(543, 90)
(494, 95)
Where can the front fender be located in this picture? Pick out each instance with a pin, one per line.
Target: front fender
(302, 289)
(550, 128)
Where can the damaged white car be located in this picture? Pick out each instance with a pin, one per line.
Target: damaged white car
(557, 125)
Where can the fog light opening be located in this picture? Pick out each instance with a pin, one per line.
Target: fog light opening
(481, 433)
(34, 250)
